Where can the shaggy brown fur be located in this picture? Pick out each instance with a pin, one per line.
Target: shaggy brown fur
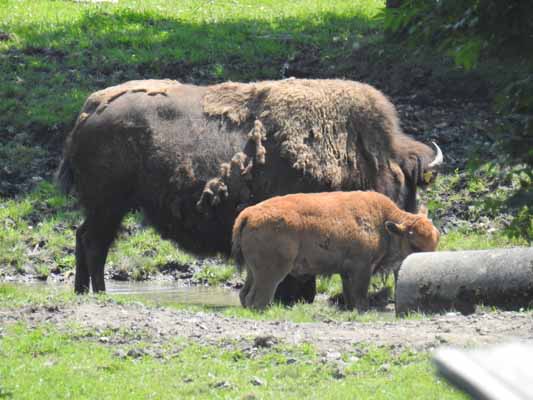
(351, 233)
(193, 157)
(342, 134)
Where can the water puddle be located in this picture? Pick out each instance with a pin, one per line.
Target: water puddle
(166, 293)
(159, 292)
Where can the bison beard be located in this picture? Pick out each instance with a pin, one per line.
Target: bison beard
(191, 158)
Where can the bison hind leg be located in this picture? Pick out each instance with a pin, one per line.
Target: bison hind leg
(93, 239)
(82, 279)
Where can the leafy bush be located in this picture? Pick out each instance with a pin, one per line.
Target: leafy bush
(465, 28)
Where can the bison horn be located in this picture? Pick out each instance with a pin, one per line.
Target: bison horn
(438, 158)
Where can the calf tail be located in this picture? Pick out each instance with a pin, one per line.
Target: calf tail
(236, 250)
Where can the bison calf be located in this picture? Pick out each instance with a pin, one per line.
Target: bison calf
(350, 233)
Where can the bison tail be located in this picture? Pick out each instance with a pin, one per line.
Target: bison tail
(236, 250)
(64, 176)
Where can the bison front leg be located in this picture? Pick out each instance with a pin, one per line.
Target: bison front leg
(355, 288)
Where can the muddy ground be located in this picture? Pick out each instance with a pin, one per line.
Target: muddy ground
(126, 324)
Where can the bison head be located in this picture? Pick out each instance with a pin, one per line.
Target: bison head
(419, 165)
(429, 173)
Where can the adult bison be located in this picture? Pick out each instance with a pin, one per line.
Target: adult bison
(191, 158)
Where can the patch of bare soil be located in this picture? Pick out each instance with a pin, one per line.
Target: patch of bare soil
(157, 325)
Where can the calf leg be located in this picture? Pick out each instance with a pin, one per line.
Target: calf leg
(270, 261)
(355, 288)
(261, 295)
(265, 282)
(248, 283)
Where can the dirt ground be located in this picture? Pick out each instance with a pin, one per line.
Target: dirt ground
(131, 322)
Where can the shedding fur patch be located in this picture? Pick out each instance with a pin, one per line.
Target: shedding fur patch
(235, 175)
(98, 101)
(257, 135)
(231, 100)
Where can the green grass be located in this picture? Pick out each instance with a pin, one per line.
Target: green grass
(459, 240)
(37, 235)
(37, 230)
(12, 296)
(60, 51)
(216, 274)
(40, 229)
(47, 364)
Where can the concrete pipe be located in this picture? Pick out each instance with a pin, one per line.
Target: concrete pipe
(441, 281)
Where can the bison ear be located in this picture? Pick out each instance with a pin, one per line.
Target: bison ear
(396, 229)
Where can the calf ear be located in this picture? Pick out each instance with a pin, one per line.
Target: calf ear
(396, 229)
(423, 210)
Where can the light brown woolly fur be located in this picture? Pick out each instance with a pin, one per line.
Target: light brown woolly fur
(322, 126)
(351, 233)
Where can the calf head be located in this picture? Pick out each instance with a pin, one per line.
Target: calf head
(413, 236)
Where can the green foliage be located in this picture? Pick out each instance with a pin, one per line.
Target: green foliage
(522, 225)
(516, 129)
(465, 28)
(215, 274)
(57, 52)
(467, 52)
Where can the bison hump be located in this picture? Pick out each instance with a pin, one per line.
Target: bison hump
(98, 101)
(324, 128)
